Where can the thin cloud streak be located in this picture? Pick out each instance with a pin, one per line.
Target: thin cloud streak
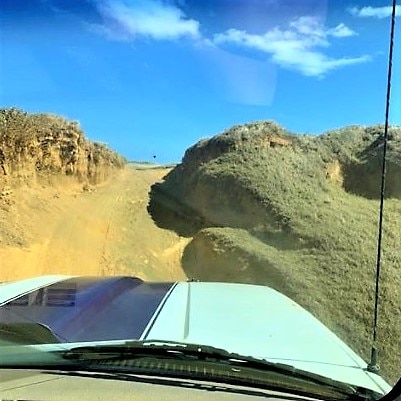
(374, 12)
(341, 31)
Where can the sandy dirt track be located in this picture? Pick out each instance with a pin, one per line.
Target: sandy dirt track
(106, 230)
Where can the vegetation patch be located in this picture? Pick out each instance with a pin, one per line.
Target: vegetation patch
(39, 145)
(299, 213)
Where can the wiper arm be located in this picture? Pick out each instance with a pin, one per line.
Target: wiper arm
(109, 355)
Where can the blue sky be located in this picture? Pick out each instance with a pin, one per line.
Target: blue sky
(152, 77)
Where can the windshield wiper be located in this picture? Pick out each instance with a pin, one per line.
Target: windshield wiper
(206, 362)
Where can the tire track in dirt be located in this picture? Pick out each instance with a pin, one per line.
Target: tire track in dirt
(106, 231)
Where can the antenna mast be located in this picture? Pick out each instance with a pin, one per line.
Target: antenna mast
(373, 365)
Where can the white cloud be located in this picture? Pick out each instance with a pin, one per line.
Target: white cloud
(376, 12)
(341, 31)
(127, 19)
(296, 47)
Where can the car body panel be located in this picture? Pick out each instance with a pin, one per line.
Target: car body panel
(250, 320)
(89, 308)
(15, 289)
(260, 322)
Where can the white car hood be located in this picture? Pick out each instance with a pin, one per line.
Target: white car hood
(246, 319)
(260, 322)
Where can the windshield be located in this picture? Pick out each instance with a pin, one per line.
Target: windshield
(206, 172)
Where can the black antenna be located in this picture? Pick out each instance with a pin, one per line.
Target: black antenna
(373, 365)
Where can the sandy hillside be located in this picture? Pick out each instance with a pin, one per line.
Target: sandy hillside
(298, 213)
(67, 228)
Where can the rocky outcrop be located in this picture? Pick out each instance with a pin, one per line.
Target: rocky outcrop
(297, 213)
(33, 145)
(250, 175)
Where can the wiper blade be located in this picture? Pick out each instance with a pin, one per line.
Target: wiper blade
(110, 355)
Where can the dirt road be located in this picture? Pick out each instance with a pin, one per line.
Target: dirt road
(105, 230)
